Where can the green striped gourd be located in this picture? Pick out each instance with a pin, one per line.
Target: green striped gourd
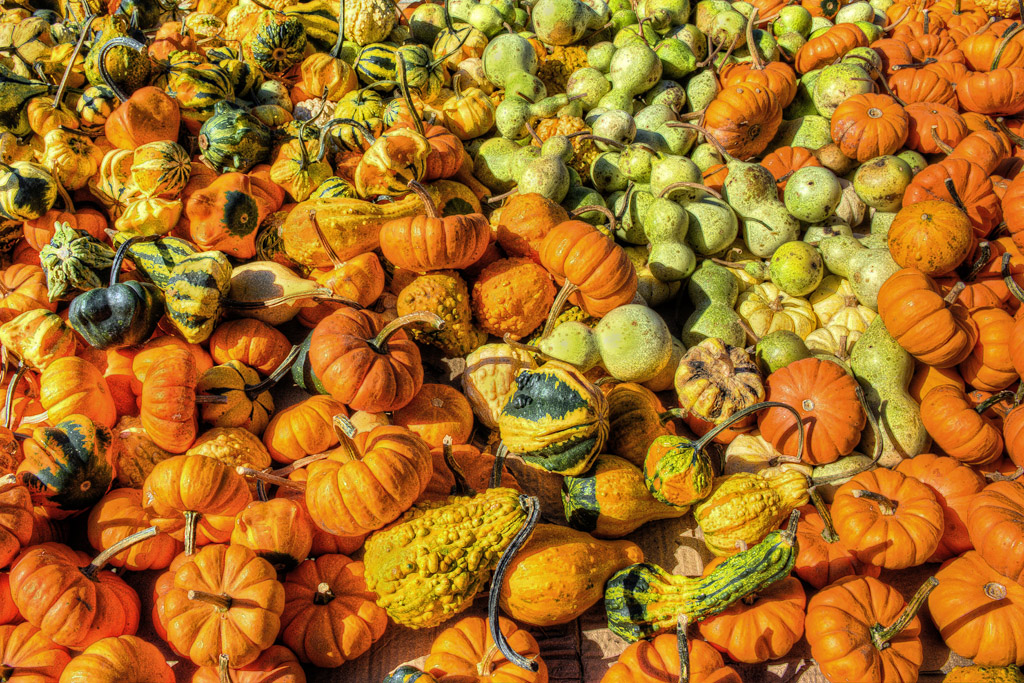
(555, 419)
(198, 90)
(95, 106)
(194, 292)
(319, 18)
(409, 674)
(71, 261)
(278, 42)
(644, 599)
(161, 168)
(377, 62)
(233, 139)
(333, 187)
(156, 259)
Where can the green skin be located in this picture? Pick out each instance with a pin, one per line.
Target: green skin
(507, 54)
(915, 160)
(796, 268)
(728, 27)
(653, 291)
(837, 252)
(803, 101)
(426, 22)
(563, 22)
(667, 93)
(634, 343)
(789, 44)
(716, 320)
(672, 168)
(811, 131)
(652, 116)
(621, 100)
(792, 18)
(869, 269)
(574, 343)
(750, 189)
(630, 228)
(588, 85)
(605, 174)
(778, 349)
(682, 476)
(837, 84)
(713, 225)
(871, 30)
(635, 68)
(677, 59)
(884, 370)
(881, 182)
(692, 36)
(676, 11)
(701, 89)
(816, 233)
(812, 194)
(547, 176)
(704, 156)
(854, 12)
(599, 56)
(615, 125)
(706, 11)
(579, 196)
(672, 261)
(866, 58)
(712, 283)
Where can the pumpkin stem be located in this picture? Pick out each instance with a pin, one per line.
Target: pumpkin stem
(211, 398)
(580, 210)
(424, 195)
(696, 186)
(887, 505)
(939, 142)
(1007, 37)
(380, 342)
(494, 199)
(873, 423)
(221, 602)
(1001, 125)
(500, 453)
(992, 400)
(567, 290)
(191, 523)
(881, 635)
(898, 21)
(268, 478)
(300, 463)
(1011, 284)
(954, 292)
(407, 96)
(102, 62)
(998, 476)
(90, 570)
(462, 487)
(323, 594)
(984, 256)
(703, 441)
(8, 414)
(708, 137)
(683, 644)
(519, 346)
(224, 661)
(757, 62)
(829, 532)
(69, 205)
(62, 86)
(273, 378)
(531, 506)
(951, 188)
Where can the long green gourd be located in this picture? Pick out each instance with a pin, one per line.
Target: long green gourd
(644, 599)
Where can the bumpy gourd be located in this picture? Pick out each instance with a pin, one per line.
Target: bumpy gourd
(744, 507)
(555, 419)
(446, 294)
(71, 261)
(644, 599)
(430, 565)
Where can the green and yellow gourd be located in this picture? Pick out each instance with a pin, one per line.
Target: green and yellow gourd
(424, 74)
(194, 292)
(278, 42)
(156, 259)
(233, 139)
(95, 106)
(14, 99)
(198, 90)
(356, 114)
(555, 419)
(27, 190)
(644, 599)
(334, 187)
(114, 58)
(377, 63)
(249, 404)
(430, 565)
(319, 19)
(445, 293)
(73, 260)
(677, 471)
(409, 674)
(611, 501)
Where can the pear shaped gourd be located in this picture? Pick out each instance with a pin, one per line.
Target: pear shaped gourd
(560, 573)
(634, 342)
(713, 291)
(751, 191)
(634, 68)
(270, 292)
(574, 343)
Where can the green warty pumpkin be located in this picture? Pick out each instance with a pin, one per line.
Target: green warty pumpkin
(71, 261)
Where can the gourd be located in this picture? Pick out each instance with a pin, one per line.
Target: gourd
(233, 139)
(560, 573)
(38, 337)
(611, 501)
(884, 370)
(713, 291)
(766, 309)
(489, 374)
(195, 288)
(410, 562)
(644, 599)
(554, 418)
(121, 659)
(71, 259)
(636, 419)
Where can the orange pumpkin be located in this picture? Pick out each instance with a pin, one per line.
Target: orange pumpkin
(999, 92)
(1013, 435)
(524, 222)
(958, 428)
(224, 215)
(979, 612)
(303, 429)
(989, 367)
(251, 342)
(925, 86)
(657, 661)
(466, 652)
(16, 521)
(934, 237)
(118, 515)
(764, 625)
(278, 530)
(223, 601)
(23, 288)
(437, 411)
(26, 654)
(277, 664)
(995, 522)
(933, 127)
(369, 481)
(147, 116)
(743, 117)
(783, 161)
(826, 398)
(960, 182)
(578, 253)
(866, 126)
(930, 328)
(329, 615)
(888, 519)
(829, 46)
(71, 386)
(861, 629)
(124, 659)
(822, 558)
(168, 402)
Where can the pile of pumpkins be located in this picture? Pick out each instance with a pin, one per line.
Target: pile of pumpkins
(304, 305)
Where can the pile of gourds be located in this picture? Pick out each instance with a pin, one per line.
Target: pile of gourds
(756, 265)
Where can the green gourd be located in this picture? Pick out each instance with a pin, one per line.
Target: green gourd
(713, 291)
(554, 418)
(278, 42)
(194, 293)
(233, 139)
(611, 500)
(156, 258)
(644, 599)
(884, 370)
(72, 259)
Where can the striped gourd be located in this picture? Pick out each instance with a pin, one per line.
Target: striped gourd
(194, 293)
(112, 186)
(95, 106)
(198, 90)
(233, 139)
(72, 260)
(320, 19)
(161, 168)
(364, 106)
(333, 187)
(177, 60)
(278, 42)
(423, 74)
(158, 258)
(643, 599)
(216, 55)
(27, 191)
(377, 62)
(243, 75)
